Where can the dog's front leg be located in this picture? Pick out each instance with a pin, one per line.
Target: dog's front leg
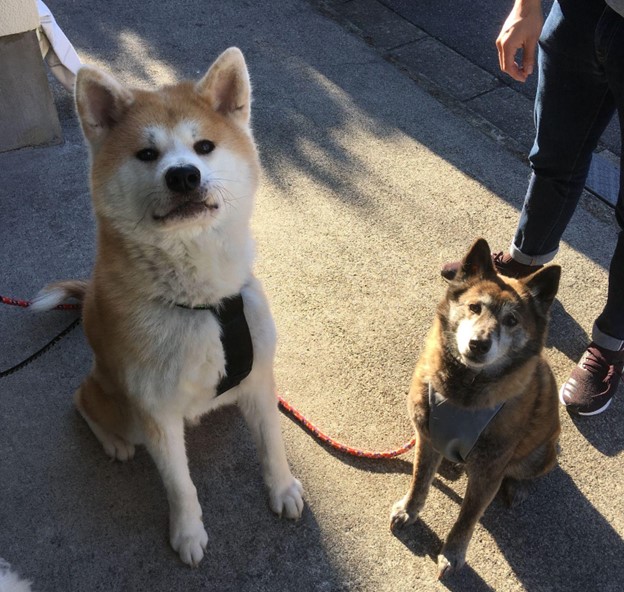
(261, 414)
(165, 442)
(482, 487)
(426, 462)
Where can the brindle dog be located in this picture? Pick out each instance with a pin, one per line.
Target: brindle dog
(483, 356)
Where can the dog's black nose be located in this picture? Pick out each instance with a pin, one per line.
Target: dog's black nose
(183, 179)
(480, 346)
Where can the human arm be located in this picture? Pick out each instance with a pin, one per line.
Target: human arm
(521, 30)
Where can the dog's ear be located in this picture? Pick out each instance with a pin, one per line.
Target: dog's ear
(478, 262)
(226, 85)
(543, 284)
(101, 102)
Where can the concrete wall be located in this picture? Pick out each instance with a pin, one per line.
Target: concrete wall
(17, 16)
(27, 113)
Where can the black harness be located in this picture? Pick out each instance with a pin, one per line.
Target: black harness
(455, 430)
(235, 339)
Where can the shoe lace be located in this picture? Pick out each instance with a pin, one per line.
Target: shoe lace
(497, 258)
(596, 363)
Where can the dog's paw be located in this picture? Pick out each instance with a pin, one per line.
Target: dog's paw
(288, 501)
(514, 493)
(117, 448)
(189, 540)
(400, 516)
(449, 562)
(114, 446)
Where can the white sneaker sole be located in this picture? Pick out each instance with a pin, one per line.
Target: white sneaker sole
(584, 413)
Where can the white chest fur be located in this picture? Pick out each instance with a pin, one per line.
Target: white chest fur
(183, 360)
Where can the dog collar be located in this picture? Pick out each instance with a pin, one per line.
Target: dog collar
(455, 430)
(198, 307)
(235, 339)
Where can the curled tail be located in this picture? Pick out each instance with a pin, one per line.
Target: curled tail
(54, 294)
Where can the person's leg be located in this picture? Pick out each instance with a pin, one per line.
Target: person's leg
(608, 331)
(609, 326)
(594, 381)
(573, 106)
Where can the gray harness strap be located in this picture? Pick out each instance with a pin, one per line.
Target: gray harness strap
(455, 430)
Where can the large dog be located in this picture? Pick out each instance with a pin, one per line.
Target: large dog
(482, 394)
(172, 311)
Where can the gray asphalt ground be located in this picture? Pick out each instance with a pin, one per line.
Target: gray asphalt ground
(373, 177)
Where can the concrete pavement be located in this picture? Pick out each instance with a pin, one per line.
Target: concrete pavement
(370, 183)
(448, 48)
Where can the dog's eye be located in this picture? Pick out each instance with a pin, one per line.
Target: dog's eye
(147, 154)
(510, 320)
(475, 308)
(204, 147)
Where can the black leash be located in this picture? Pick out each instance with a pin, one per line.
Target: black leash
(43, 350)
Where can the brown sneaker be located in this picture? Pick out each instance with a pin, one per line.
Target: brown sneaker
(504, 264)
(592, 384)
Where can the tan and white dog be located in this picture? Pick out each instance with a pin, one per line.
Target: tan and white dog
(173, 177)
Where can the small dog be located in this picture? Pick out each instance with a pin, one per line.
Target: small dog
(482, 394)
(172, 311)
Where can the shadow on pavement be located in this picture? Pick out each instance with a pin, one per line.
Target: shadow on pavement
(386, 465)
(587, 558)
(306, 129)
(604, 432)
(423, 542)
(108, 521)
(565, 334)
(531, 534)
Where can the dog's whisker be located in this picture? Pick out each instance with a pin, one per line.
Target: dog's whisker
(221, 179)
(226, 196)
(142, 217)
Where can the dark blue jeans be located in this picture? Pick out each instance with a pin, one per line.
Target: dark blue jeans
(581, 85)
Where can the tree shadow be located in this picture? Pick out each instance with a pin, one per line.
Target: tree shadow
(311, 101)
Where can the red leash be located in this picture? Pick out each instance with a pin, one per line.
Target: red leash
(288, 408)
(284, 405)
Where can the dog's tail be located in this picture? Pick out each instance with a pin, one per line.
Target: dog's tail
(54, 294)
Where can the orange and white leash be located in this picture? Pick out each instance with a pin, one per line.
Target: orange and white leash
(286, 407)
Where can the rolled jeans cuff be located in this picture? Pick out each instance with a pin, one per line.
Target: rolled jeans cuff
(606, 341)
(520, 257)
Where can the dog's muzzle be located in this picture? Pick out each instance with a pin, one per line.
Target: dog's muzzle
(183, 179)
(188, 198)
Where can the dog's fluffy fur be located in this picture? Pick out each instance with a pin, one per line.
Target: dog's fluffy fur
(10, 581)
(157, 365)
(484, 349)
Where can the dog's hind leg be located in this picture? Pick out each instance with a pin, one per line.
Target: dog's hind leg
(106, 418)
(514, 491)
(515, 486)
(260, 411)
(426, 462)
(165, 442)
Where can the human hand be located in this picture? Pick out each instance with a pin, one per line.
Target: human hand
(521, 30)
